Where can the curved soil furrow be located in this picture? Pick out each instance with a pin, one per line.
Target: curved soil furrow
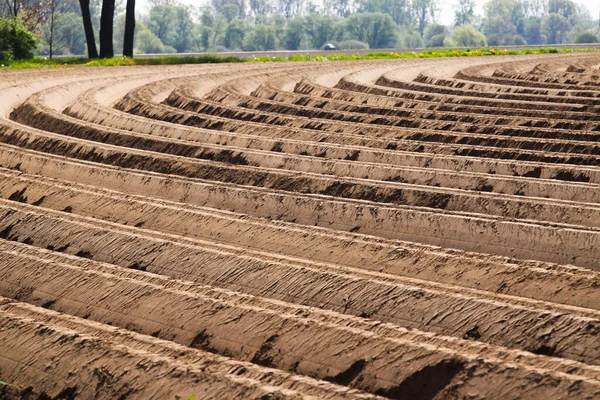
(272, 139)
(565, 80)
(308, 132)
(261, 231)
(219, 318)
(401, 129)
(273, 382)
(568, 86)
(350, 84)
(416, 304)
(400, 222)
(537, 76)
(429, 84)
(433, 111)
(74, 363)
(410, 120)
(398, 258)
(348, 90)
(492, 85)
(398, 193)
(281, 154)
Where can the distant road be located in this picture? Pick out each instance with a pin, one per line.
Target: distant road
(286, 53)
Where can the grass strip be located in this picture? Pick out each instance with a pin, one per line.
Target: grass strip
(40, 62)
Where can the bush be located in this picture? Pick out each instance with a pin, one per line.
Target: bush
(353, 45)
(466, 36)
(505, 40)
(261, 38)
(16, 42)
(217, 49)
(437, 41)
(149, 43)
(412, 41)
(587, 37)
(434, 35)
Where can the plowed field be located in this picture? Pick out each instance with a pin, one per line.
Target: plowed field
(406, 229)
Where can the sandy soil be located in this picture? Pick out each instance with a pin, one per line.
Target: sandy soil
(409, 229)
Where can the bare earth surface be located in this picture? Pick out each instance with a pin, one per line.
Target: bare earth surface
(411, 229)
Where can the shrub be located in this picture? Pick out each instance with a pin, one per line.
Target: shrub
(149, 43)
(16, 42)
(353, 45)
(437, 41)
(587, 37)
(412, 41)
(466, 36)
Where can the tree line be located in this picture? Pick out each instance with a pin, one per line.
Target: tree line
(98, 27)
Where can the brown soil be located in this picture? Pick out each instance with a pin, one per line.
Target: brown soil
(422, 229)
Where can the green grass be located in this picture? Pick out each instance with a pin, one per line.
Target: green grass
(384, 55)
(40, 62)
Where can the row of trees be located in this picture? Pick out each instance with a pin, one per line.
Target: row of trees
(534, 21)
(300, 24)
(68, 26)
(63, 22)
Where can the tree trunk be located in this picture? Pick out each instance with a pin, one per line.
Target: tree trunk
(51, 40)
(129, 29)
(106, 29)
(89, 30)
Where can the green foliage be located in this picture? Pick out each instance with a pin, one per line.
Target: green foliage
(533, 32)
(434, 35)
(466, 36)
(505, 40)
(352, 44)
(230, 12)
(321, 29)
(149, 43)
(436, 41)
(260, 38)
(555, 28)
(206, 33)
(504, 17)
(376, 29)
(434, 30)
(464, 12)
(234, 34)
(68, 37)
(398, 10)
(16, 42)
(172, 25)
(587, 37)
(425, 54)
(412, 41)
(423, 11)
(165, 60)
(294, 34)
(513, 22)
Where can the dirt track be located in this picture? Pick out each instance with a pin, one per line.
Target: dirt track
(411, 229)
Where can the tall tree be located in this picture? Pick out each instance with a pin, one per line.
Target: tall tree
(88, 28)
(464, 12)
(555, 27)
(424, 12)
(261, 7)
(129, 29)
(504, 18)
(106, 29)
